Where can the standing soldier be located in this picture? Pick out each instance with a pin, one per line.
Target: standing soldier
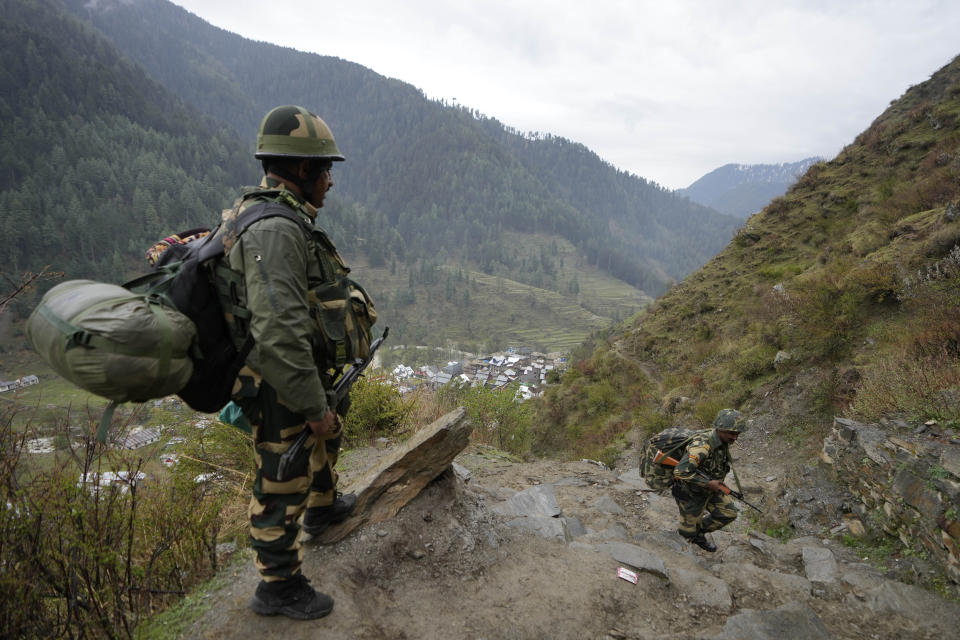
(698, 478)
(307, 319)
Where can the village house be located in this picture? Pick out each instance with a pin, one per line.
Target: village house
(19, 383)
(140, 438)
(453, 368)
(94, 481)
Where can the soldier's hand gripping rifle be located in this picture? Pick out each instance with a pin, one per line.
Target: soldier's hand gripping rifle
(660, 458)
(340, 391)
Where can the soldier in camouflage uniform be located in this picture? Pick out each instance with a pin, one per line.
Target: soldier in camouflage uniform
(277, 266)
(698, 476)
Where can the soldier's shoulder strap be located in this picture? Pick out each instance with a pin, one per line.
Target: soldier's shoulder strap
(213, 245)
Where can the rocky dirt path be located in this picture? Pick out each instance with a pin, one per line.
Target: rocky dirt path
(502, 549)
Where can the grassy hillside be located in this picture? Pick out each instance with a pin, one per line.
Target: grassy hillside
(451, 302)
(851, 277)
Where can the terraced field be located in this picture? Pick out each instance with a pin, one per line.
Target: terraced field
(502, 311)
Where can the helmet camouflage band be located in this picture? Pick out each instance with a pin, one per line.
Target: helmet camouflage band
(294, 132)
(730, 420)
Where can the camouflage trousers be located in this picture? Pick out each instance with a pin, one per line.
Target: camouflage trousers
(276, 506)
(702, 510)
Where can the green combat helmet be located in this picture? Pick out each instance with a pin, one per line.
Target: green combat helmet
(730, 420)
(294, 132)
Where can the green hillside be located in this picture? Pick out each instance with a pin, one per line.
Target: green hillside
(432, 177)
(851, 277)
(96, 160)
(450, 302)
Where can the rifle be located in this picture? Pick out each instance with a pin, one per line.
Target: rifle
(340, 391)
(672, 462)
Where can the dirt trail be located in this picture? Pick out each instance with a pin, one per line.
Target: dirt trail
(450, 566)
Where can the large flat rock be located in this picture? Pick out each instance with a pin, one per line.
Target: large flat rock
(819, 564)
(745, 578)
(701, 588)
(540, 500)
(794, 621)
(399, 478)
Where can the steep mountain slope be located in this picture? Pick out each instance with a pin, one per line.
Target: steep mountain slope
(91, 150)
(840, 298)
(421, 166)
(827, 273)
(743, 189)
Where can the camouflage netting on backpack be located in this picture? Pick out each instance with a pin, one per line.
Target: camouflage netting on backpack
(672, 442)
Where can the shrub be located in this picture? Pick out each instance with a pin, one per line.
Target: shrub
(755, 361)
(924, 386)
(376, 409)
(500, 418)
(82, 560)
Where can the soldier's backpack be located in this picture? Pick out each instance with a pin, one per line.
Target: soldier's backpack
(188, 285)
(673, 443)
(190, 278)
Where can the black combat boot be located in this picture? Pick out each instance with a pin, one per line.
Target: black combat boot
(700, 540)
(294, 598)
(317, 519)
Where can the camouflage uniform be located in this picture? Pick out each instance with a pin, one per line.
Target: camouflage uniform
(278, 264)
(703, 510)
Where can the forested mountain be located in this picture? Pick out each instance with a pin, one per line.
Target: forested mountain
(743, 189)
(96, 160)
(433, 177)
(466, 230)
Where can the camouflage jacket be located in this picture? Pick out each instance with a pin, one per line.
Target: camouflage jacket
(707, 453)
(280, 263)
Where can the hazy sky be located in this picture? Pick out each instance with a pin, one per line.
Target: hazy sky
(666, 89)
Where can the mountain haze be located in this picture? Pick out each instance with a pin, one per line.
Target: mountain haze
(744, 189)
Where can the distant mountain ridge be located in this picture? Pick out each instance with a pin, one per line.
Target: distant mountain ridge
(743, 189)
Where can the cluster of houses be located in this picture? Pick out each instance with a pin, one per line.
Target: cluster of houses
(19, 383)
(497, 371)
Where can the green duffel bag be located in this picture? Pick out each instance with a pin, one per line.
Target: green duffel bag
(112, 342)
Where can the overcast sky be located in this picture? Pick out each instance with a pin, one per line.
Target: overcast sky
(666, 89)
